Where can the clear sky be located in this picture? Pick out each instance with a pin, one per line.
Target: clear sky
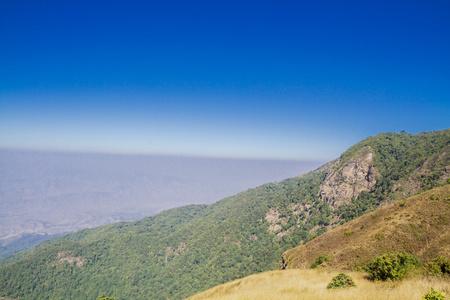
(250, 79)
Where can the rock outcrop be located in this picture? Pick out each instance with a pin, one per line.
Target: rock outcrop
(67, 256)
(343, 182)
(274, 219)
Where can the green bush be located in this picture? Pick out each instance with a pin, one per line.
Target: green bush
(434, 295)
(439, 266)
(320, 260)
(392, 266)
(348, 233)
(104, 297)
(341, 281)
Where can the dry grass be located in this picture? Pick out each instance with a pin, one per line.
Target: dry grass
(417, 225)
(311, 284)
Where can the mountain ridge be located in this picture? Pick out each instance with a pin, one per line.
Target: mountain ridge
(185, 250)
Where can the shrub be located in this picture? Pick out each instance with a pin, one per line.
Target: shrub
(320, 260)
(433, 295)
(104, 297)
(392, 266)
(348, 233)
(341, 281)
(439, 266)
(312, 237)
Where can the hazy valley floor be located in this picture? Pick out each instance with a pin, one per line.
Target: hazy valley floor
(311, 284)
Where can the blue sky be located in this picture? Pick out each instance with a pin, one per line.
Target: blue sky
(246, 79)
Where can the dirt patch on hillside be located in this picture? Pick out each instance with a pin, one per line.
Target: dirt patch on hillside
(67, 256)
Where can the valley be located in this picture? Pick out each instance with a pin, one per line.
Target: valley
(46, 194)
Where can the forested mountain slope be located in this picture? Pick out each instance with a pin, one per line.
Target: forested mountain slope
(189, 249)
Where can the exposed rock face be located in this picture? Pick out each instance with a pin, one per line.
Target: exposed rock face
(276, 222)
(273, 217)
(66, 256)
(343, 183)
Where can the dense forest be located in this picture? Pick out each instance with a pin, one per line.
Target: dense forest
(185, 250)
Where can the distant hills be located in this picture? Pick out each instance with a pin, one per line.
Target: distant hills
(185, 250)
(45, 194)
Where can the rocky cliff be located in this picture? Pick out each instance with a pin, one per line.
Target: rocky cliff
(346, 180)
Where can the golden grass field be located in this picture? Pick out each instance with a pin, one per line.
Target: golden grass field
(311, 284)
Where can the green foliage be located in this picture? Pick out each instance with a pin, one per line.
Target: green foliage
(348, 233)
(320, 260)
(392, 266)
(439, 266)
(379, 235)
(104, 297)
(341, 281)
(434, 295)
(398, 155)
(365, 203)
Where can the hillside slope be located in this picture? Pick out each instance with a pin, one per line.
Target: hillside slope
(419, 225)
(182, 251)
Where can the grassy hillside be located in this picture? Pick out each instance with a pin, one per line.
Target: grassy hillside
(311, 284)
(186, 250)
(419, 225)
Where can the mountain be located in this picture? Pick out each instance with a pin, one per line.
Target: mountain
(419, 225)
(189, 249)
